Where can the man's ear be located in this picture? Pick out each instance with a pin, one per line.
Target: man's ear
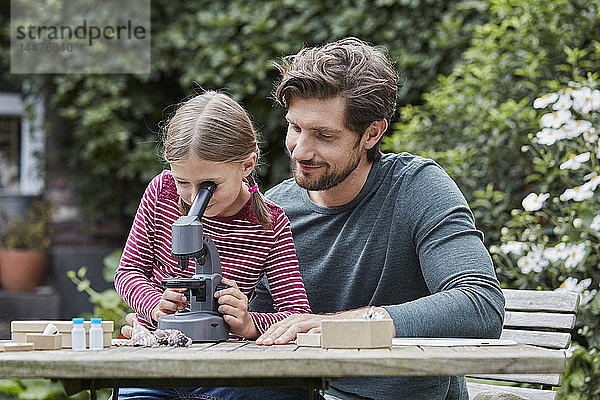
(249, 163)
(374, 132)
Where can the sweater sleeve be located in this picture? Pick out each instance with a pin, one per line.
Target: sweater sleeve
(133, 276)
(285, 282)
(465, 300)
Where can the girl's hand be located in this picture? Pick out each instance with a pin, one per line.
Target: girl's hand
(127, 330)
(172, 300)
(233, 304)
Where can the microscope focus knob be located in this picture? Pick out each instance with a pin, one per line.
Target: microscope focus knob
(221, 286)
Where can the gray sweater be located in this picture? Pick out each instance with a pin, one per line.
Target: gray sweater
(407, 242)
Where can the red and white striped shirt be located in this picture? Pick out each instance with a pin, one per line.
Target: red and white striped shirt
(247, 251)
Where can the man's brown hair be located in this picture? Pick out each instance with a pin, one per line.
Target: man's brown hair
(350, 68)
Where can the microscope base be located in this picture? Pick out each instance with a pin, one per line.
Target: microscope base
(201, 326)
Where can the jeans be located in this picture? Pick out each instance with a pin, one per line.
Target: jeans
(224, 393)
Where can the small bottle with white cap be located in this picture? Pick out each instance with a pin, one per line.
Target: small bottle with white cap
(96, 334)
(78, 335)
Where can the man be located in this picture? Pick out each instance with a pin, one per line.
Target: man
(391, 231)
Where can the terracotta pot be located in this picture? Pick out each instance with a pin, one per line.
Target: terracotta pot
(22, 269)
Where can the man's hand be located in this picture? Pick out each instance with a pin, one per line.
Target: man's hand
(233, 304)
(127, 330)
(172, 300)
(283, 331)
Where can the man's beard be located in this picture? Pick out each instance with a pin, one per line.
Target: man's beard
(329, 179)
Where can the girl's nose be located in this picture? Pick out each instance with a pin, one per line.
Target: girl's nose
(194, 194)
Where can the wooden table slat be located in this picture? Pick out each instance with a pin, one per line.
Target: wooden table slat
(282, 347)
(226, 346)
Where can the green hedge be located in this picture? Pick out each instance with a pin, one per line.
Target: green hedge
(104, 127)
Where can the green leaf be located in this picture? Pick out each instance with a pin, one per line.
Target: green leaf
(577, 379)
(41, 389)
(81, 272)
(10, 386)
(83, 285)
(111, 263)
(594, 304)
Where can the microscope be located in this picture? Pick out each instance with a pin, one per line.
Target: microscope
(202, 323)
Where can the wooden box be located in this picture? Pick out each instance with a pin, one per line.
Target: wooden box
(45, 342)
(20, 329)
(356, 333)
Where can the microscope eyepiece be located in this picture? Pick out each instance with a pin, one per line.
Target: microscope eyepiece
(208, 185)
(203, 196)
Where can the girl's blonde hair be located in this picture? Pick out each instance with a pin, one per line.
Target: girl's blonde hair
(214, 127)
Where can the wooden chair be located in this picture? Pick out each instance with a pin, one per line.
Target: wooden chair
(539, 318)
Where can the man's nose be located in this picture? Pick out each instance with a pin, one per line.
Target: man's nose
(302, 148)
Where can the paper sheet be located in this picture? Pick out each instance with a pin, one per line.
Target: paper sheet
(449, 342)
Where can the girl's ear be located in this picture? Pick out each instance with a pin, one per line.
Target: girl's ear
(248, 164)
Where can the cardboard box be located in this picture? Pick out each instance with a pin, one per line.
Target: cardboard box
(308, 339)
(356, 333)
(20, 329)
(10, 346)
(45, 342)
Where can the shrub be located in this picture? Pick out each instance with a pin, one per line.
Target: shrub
(475, 120)
(29, 232)
(553, 241)
(479, 123)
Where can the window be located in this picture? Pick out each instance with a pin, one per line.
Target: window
(10, 152)
(21, 145)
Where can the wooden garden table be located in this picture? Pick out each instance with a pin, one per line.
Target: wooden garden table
(246, 364)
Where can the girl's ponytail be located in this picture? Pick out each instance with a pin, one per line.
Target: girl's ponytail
(259, 207)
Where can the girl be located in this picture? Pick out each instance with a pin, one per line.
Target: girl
(211, 138)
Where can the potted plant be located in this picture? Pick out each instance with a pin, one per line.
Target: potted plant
(24, 252)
